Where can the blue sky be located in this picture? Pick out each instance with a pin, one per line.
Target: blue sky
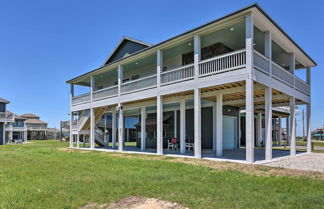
(45, 43)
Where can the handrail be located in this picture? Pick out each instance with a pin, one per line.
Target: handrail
(261, 55)
(221, 56)
(175, 69)
(81, 95)
(136, 80)
(283, 69)
(110, 87)
(301, 80)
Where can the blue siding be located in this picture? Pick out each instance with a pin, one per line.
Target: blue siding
(125, 48)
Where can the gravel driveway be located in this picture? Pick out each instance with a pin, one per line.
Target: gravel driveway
(307, 162)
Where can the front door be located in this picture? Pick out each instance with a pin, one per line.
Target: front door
(229, 132)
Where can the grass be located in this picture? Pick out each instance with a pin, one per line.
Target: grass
(38, 175)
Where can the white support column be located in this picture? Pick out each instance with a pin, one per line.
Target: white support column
(78, 140)
(292, 127)
(268, 123)
(268, 48)
(159, 63)
(92, 128)
(113, 129)
(259, 129)
(71, 128)
(219, 125)
(159, 125)
(280, 131)
(71, 114)
(249, 133)
(182, 126)
(143, 128)
(308, 114)
(197, 54)
(197, 122)
(288, 130)
(120, 78)
(175, 131)
(120, 128)
(214, 126)
(25, 135)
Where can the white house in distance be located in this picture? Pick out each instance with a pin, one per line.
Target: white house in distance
(214, 89)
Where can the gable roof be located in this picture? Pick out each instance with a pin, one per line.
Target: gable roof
(29, 115)
(126, 47)
(245, 9)
(4, 101)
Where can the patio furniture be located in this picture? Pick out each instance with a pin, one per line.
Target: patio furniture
(189, 144)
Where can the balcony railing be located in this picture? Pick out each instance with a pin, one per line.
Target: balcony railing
(219, 64)
(261, 63)
(139, 84)
(282, 74)
(230, 61)
(302, 86)
(105, 93)
(6, 117)
(177, 75)
(81, 98)
(16, 128)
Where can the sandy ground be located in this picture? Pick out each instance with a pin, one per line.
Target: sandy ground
(309, 162)
(135, 202)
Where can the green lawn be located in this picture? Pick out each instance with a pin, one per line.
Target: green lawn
(38, 175)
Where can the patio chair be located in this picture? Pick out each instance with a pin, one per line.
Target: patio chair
(170, 145)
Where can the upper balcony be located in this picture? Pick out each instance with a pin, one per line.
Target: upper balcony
(7, 117)
(210, 53)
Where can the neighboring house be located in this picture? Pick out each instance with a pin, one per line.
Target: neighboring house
(5, 118)
(36, 128)
(318, 133)
(214, 88)
(17, 130)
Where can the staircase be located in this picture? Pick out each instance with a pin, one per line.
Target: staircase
(83, 124)
(99, 138)
(98, 112)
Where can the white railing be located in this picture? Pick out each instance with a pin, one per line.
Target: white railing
(179, 74)
(37, 128)
(83, 98)
(105, 93)
(143, 83)
(4, 116)
(302, 86)
(16, 128)
(282, 74)
(261, 62)
(226, 62)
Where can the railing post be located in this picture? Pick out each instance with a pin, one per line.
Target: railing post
(159, 67)
(268, 49)
(249, 43)
(197, 55)
(120, 79)
(292, 67)
(91, 87)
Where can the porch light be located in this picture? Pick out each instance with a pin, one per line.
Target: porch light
(231, 29)
(189, 44)
(136, 63)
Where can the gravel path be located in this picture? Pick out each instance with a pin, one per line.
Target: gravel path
(308, 162)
